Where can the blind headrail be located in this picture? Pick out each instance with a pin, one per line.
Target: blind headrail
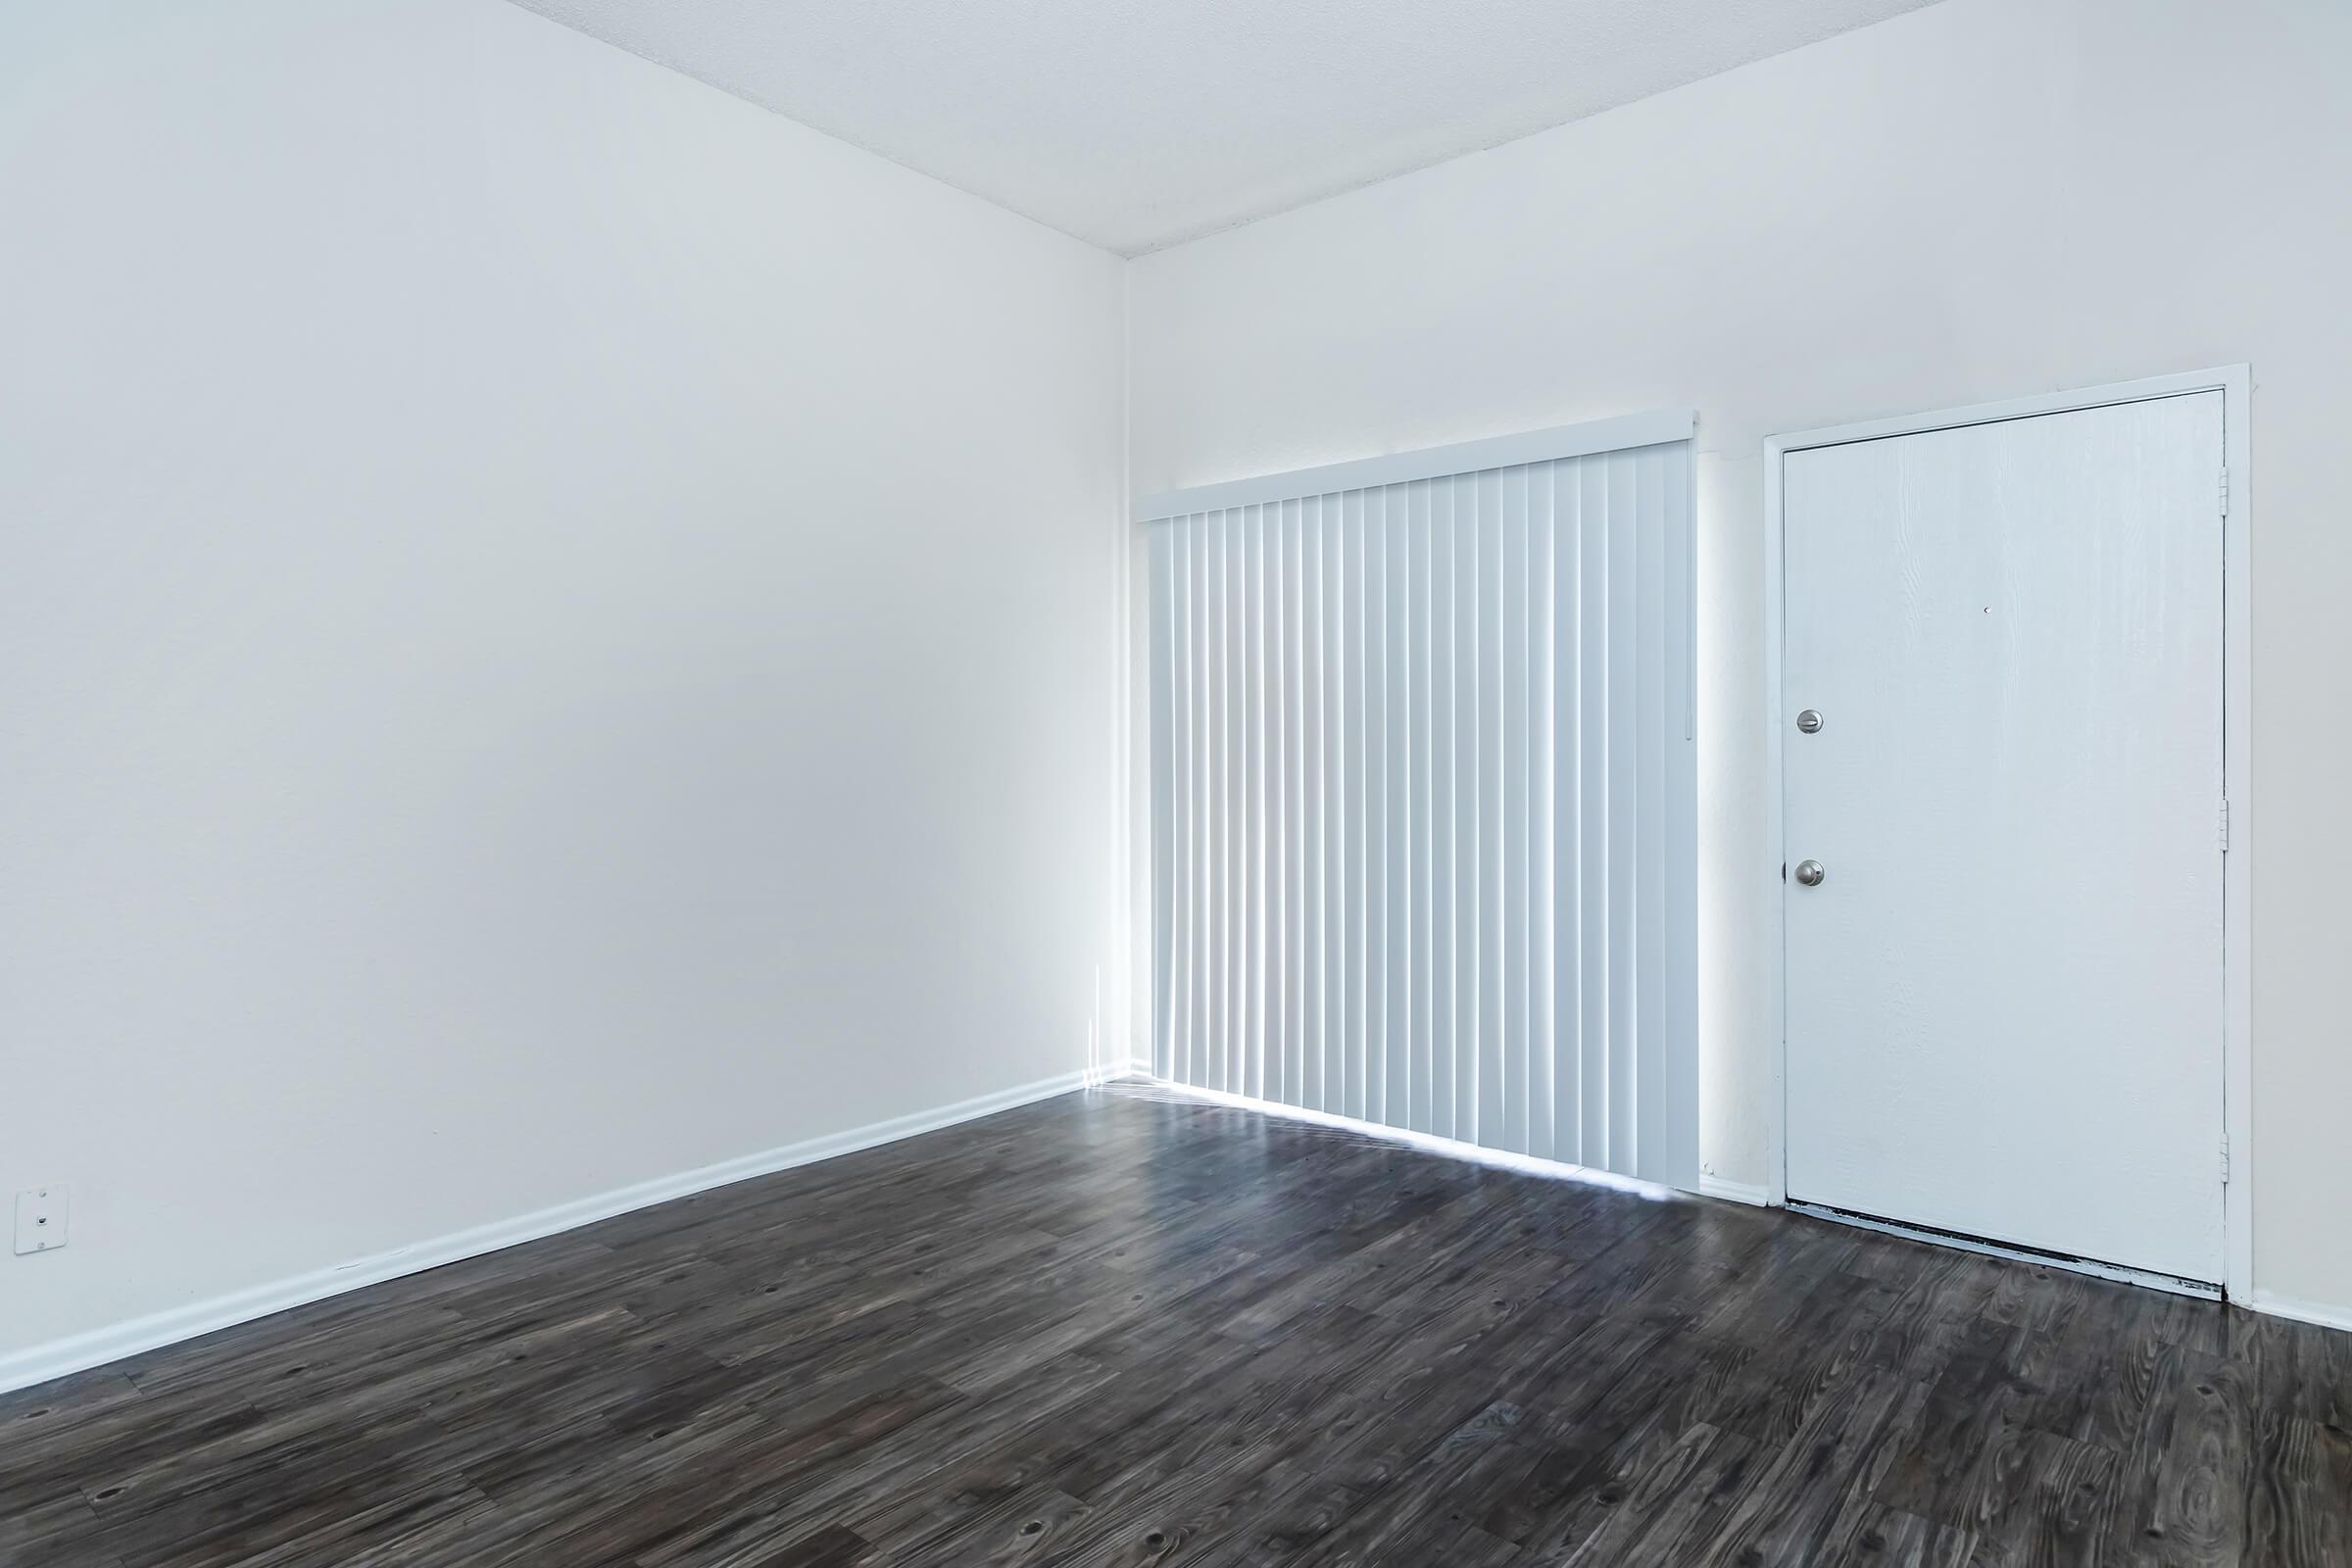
(1578, 440)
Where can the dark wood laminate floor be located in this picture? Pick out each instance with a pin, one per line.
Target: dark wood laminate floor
(1115, 1329)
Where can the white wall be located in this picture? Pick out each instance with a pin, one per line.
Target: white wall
(555, 628)
(1980, 200)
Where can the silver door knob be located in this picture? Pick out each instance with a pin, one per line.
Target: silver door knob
(1809, 721)
(1810, 873)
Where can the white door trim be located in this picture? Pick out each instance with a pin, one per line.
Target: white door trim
(2236, 383)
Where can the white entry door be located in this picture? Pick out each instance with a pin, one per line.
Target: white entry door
(2005, 989)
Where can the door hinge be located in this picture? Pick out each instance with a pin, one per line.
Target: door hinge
(2225, 824)
(2224, 1160)
(2225, 492)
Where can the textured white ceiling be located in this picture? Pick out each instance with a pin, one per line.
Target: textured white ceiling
(1137, 124)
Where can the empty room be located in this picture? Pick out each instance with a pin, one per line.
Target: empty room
(835, 783)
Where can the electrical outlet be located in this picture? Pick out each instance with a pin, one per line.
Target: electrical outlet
(41, 1218)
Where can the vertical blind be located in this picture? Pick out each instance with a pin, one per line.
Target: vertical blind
(1424, 807)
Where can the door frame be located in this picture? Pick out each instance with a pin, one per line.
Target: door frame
(2235, 384)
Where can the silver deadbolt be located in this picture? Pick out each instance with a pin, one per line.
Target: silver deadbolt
(1810, 873)
(1809, 721)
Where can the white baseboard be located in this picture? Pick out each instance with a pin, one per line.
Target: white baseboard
(1734, 1191)
(82, 1351)
(2325, 1314)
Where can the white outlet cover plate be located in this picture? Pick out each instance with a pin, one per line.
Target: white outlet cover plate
(41, 1218)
